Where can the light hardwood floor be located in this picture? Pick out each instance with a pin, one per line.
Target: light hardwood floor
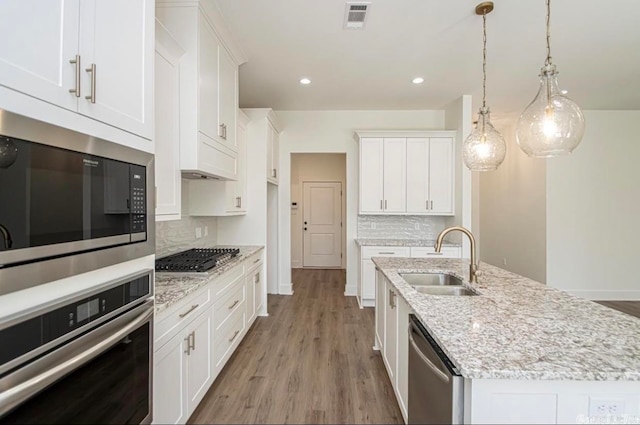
(310, 361)
(629, 307)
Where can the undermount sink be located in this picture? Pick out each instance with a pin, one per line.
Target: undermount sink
(431, 279)
(437, 284)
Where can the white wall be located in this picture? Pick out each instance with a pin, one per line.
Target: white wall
(593, 210)
(318, 167)
(513, 211)
(458, 117)
(332, 132)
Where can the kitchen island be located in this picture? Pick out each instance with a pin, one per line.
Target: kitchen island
(528, 353)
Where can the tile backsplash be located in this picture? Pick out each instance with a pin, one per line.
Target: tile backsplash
(400, 226)
(179, 235)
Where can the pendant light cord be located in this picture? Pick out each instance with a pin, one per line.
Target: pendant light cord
(484, 58)
(548, 60)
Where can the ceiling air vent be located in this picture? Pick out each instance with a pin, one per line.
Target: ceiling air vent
(355, 15)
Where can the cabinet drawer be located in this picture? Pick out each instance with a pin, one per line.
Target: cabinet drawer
(430, 252)
(179, 315)
(385, 251)
(222, 283)
(224, 307)
(253, 262)
(229, 336)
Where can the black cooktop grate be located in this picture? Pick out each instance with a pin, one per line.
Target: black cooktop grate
(196, 259)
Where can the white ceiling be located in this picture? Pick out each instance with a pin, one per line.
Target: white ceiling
(595, 45)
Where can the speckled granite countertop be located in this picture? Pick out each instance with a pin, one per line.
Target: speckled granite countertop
(400, 242)
(521, 329)
(172, 287)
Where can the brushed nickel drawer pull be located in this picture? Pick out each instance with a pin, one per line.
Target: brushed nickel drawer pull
(193, 307)
(431, 204)
(256, 278)
(386, 252)
(235, 334)
(193, 340)
(235, 303)
(238, 202)
(434, 253)
(256, 260)
(187, 340)
(92, 95)
(76, 90)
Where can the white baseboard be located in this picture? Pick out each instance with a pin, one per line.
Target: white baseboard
(607, 295)
(286, 289)
(368, 303)
(350, 291)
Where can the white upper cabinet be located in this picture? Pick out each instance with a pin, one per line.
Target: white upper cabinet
(167, 125)
(93, 57)
(208, 89)
(407, 175)
(264, 130)
(430, 175)
(273, 155)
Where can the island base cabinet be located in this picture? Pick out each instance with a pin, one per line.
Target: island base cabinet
(182, 372)
(526, 401)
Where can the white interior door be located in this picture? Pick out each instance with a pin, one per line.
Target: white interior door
(322, 215)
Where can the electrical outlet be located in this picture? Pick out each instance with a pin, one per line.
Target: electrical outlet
(198, 232)
(606, 406)
(206, 231)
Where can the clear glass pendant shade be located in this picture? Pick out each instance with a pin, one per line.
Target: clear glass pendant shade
(484, 149)
(552, 124)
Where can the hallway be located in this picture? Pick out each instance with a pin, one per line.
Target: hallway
(310, 361)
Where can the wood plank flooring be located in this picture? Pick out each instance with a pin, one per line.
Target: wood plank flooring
(629, 307)
(310, 361)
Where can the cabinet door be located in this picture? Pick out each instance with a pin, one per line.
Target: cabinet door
(259, 283)
(167, 125)
(169, 399)
(441, 176)
(275, 156)
(39, 38)
(368, 280)
(417, 175)
(380, 303)
(394, 187)
(236, 191)
(391, 332)
(228, 103)
(200, 359)
(208, 91)
(116, 36)
(371, 175)
(251, 298)
(402, 377)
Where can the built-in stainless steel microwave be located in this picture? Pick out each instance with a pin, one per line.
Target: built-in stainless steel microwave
(69, 203)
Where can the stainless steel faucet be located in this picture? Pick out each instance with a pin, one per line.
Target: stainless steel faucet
(473, 267)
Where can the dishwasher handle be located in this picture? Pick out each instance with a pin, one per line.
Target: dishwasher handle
(442, 375)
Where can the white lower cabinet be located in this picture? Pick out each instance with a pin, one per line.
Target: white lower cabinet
(391, 324)
(366, 289)
(195, 338)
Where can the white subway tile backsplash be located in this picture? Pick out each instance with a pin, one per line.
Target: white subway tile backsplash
(399, 226)
(180, 235)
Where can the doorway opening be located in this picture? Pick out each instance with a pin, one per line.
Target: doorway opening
(318, 210)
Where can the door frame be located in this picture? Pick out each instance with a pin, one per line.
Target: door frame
(342, 224)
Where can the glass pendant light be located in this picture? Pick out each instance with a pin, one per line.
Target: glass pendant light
(484, 149)
(552, 124)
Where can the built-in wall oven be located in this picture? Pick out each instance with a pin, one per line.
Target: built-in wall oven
(63, 196)
(87, 360)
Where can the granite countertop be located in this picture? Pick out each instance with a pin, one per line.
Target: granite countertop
(400, 242)
(172, 287)
(518, 328)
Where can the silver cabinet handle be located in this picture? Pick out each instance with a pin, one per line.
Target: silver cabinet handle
(385, 204)
(235, 303)
(256, 278)
(223, 131)
(386, 253)
(381, 207)
(76, 89)
(256, 260)
(238, 201)
(392, 298)
(193, 340)
(193, 307)
(187, 351)
(431, 204)
(434, 253)
(235, 334)
(426, 206)
(274, 173)
(92, 95)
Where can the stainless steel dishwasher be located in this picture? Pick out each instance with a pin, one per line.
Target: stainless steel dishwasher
(436, 390)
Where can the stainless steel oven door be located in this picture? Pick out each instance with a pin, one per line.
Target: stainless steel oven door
(103, 376)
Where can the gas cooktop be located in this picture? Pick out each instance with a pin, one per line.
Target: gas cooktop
(196, 260)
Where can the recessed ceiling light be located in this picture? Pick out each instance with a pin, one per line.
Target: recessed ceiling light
(418, 80)
(305, 81)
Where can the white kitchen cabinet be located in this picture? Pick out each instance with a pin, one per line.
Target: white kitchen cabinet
(430, 175)
(382, 175)
(76, 60)
(264, 130)
(167, 125)
(183, 371)
(390, 350)
(254, 290)
(209, 88)
(366, 291)
(430, 252)
(402, 373)
(406, 172)
(379, 311)
(223, 198)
